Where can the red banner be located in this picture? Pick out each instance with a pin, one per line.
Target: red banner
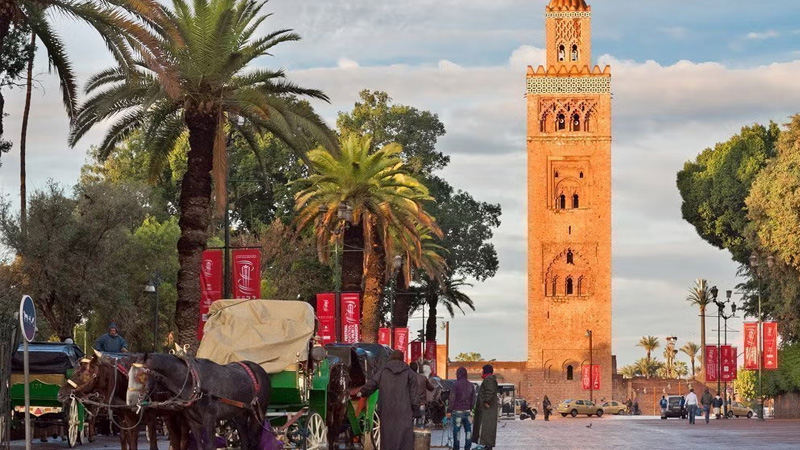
(769, 331)
(711, 363)
(246, 273)
(735, 362)
(385, 336)
(210, 285)
(751, 345)
(326, 313)
(590, 375)
(351, 317)
(401, 340)
(416, 351)
(430, 354)
(728, 361)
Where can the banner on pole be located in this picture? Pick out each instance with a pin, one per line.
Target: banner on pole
(735, 351)
(246, 273)
(769, 332)
(430, 355)
(351, 317)
(326, 313)
(401, 340)
(385, 336)
(590, 375)
(726, 355)
(210, 285)
(416, 351)
(711, 363)
(751, 345)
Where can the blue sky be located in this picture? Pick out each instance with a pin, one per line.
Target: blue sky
(686, 74)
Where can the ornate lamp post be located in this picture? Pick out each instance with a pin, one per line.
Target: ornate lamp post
(754, 264)
(344, 217)
(397, 262)
(591, 367)
(152, 288)
(722, 316)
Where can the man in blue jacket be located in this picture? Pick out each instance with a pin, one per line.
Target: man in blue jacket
(111, 342)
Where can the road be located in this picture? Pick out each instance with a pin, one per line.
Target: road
(619, 433)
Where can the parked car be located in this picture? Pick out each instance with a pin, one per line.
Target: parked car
(575, 407)
(674, 408)
(737, 409)
(614, 407)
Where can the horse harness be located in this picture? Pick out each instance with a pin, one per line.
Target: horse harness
(253, 406)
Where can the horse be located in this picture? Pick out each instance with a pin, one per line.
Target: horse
(101, 381)
(205, 392)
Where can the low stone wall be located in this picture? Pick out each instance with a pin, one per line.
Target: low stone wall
(787, 406)
(648, 391)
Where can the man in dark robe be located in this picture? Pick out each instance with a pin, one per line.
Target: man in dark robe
(398, 402)
(485, 430)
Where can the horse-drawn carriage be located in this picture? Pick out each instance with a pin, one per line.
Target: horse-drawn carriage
(50, 365)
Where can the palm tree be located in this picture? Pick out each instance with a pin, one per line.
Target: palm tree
(681, 370)
(629, 371)
(648, 367)
(447, 293)
(648, 343)
(386, 204)
(191, 81)
(691, 349)
(23, 139)
(700, 296)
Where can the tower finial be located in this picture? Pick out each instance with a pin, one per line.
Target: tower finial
(568, 5)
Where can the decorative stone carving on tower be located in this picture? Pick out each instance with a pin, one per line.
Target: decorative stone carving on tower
(569, 208)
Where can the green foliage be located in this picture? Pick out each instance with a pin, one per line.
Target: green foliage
(745, 383)
(787, 377)
(648, 343)
(715, 185)
(468, 357)
(14, 55)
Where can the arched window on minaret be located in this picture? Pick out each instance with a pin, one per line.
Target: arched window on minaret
(586, 122)
(561, 122)
(570, 372)
(575, 201)
(568, 286)
(580, 286)
(554, 287)
(574, 53)
(570, 258)
(576, 122)
(562, 201)
(561, 53)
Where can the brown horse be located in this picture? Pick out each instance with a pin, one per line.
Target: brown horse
(101, 382)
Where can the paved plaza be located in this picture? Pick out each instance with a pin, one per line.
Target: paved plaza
(605, 433)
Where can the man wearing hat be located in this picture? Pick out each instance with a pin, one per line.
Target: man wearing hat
(485, 430)
(111, 342)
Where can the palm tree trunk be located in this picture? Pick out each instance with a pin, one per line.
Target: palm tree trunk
(703, 343)
(402, 303)
(23, 194)
(195, 210)
(374, 269)
(430, 325)
(353, 259)
(693, 367)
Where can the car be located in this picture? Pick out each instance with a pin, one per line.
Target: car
(737, 409)
(614, 407)
(675, 407)
(575, 407)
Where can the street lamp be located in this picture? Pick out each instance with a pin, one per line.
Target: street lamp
(397, 262)
(344, 217)
(152, 288)
(591, 367)
(722, 316)
(755, 266)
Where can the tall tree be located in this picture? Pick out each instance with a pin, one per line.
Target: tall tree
(648, 367)
(23, 139)
(700, 296)
(691, 349)
(14, 56)
(387, 210)
(195, 82)
(648, 343)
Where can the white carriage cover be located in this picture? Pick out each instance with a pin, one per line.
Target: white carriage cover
(271, 333)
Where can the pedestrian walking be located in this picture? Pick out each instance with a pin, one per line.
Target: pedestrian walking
(398, 403)
(691, 405)
(636, 407)
(706, 400)
(663, 404)
(683, 408)
(425, 385)
(717, 407)
(485, 432)
(463, 395)
(547, 407)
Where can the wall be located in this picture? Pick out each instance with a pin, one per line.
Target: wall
(787, 406)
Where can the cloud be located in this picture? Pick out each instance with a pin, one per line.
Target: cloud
(760, 36)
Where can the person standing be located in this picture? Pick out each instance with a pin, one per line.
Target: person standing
(629, 405)
(485, 433)
(111, 342)
(706, 400)
(461, 408)
(717, 407)
(424, 384)
(663, 404)
(547, 407)
(691, 405)
(398, 402)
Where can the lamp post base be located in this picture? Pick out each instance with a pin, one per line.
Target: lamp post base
(761, 410)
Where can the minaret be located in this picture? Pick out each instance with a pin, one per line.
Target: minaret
(569, 208)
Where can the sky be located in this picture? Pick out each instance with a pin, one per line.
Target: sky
(685, 75)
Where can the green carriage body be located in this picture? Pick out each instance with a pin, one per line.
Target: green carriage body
(50, 365)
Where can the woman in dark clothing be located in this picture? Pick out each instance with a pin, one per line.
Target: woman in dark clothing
(398, 402)
(546, 407)
(461, 408)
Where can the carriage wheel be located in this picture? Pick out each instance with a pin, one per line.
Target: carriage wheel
(317, 438)
(73, 424)
(375, 432)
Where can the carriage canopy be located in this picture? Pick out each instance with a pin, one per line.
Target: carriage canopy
(271, 333)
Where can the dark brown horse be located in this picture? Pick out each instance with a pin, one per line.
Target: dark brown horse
(101, 382)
